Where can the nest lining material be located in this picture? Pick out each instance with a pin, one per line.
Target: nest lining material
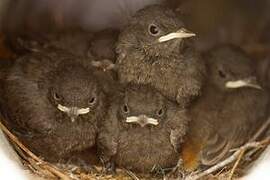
(226, 169)
(48, 170)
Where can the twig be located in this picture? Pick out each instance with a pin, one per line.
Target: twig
(250, 153)
(220, 172)
(236, 164)
(259, 132)
(41, 163)
(230, 159)
(131, 174)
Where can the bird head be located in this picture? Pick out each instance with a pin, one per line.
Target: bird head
(154, 31)
(230, 68)
(142, 106)
(74, 91)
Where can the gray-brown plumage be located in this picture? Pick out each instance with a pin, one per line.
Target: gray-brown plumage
(155, 49)
(103, 44)
(102, 50)
(76, 42)
(231, 110)
(143, 130)
(98, 47)
(5, 65)
(263, 72)
(53, 101)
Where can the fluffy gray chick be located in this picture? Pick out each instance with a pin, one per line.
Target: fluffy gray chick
(156, 49)
(53, 102)
(143, 130)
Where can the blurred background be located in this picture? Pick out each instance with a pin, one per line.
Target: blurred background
(243, 22)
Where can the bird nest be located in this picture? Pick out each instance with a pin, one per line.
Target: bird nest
(48, 170)
(231, 168)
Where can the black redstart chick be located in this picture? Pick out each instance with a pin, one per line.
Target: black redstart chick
(103, 44)
(231, 110)
(143, 130)
(53, 102)
(98, 47)
(102, 50)
(155, 49)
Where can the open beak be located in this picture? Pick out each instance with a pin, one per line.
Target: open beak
(73, 112)
(180, 34)
(248, 82)
(142, 120)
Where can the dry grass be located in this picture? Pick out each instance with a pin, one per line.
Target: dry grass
(230, 168)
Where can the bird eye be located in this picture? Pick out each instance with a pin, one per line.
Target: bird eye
(221, 74)
(160, 112)
(125, 109)
(92, 101)
(153, 30)
(56, 96)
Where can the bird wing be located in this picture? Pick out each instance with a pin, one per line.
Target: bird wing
(26, 103)
(237, 122)
(205, 143)
(215, 149)
(26, 108)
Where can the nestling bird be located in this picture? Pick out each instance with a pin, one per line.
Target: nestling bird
(102, 50)
(155, 49)
(230, 112)
(97, 47)
(143, 130)
(53, 102)
(103, 43)
(78, 43)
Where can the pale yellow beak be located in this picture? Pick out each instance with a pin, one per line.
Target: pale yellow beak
(248, 82)
(142, 120)
(180, 34)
